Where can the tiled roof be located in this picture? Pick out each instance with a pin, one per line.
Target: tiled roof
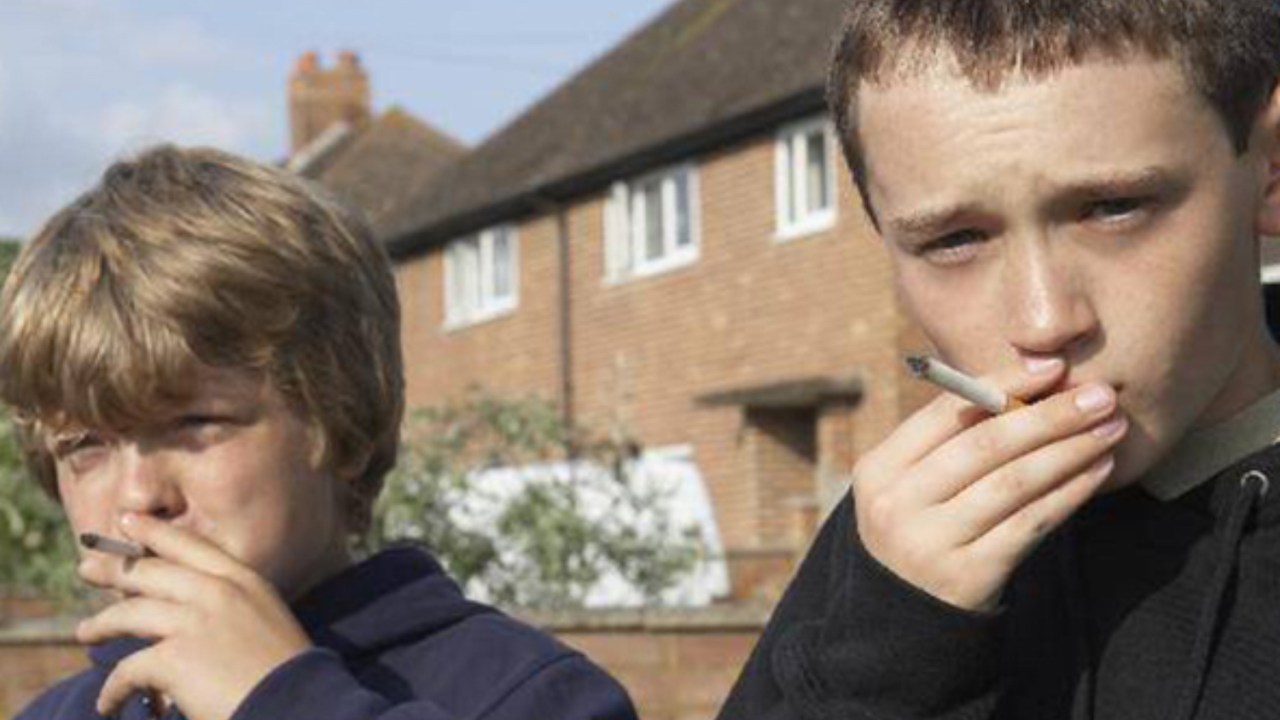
(697, 76)
(378, 168)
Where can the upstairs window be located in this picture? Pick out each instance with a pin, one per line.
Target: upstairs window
(805, 179)
(480, 277)
(651, 224)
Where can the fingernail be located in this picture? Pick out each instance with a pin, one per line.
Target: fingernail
(1111, 428)
(1094, 398)
(1042, 365)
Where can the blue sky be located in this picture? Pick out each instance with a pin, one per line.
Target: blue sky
(85, 81)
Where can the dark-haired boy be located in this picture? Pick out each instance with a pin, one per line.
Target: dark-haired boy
(1072, 194)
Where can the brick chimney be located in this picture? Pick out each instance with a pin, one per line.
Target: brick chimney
(320, 97)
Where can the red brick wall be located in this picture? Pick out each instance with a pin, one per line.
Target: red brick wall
(26, 670)
(515, 353)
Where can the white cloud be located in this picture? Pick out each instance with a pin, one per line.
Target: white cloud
(183, 114)
(83, 82)
(44, 169)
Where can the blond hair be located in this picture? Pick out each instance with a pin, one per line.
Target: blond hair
(183, 255)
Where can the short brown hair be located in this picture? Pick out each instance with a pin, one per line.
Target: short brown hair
(183, 255)
(1230, 51)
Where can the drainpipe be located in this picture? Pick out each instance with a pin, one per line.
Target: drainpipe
(565, 315)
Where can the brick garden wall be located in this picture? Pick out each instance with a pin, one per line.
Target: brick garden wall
(34, 654)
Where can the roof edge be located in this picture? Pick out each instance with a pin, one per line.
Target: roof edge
(560, 191)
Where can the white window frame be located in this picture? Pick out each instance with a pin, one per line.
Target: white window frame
(478, 281)
(791, 155)
(625, 231)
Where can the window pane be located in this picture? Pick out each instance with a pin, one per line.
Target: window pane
(684, 226)
(502, 263)
(653, 249)
(451, 297)
(797, 201)
(817, 176)
(636, 235)
(469, 276)
(787, 178)
(617, 233)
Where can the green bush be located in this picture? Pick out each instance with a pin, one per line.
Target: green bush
(558, 513)
(37, 550)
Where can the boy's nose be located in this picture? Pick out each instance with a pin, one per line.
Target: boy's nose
(1047, 309)
(146, 486)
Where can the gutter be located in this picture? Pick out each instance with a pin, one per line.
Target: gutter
(561, 191)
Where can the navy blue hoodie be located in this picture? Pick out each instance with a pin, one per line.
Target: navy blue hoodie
(394, 640)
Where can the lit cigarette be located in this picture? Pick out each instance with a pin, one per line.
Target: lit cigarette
(123, 548)
(952, 380)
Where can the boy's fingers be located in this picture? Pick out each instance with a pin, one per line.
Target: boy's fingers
(948, 415)
(181, 546)
(138, 617)
(960, 462)
(1012, 540)
(163, 579)
(134, 673)
(990, 501)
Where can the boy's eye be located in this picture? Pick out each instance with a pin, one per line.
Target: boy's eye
(64, 446)
(1114, 209)
(953, 248)
(197, 422)
(80, 450)
(201, 428)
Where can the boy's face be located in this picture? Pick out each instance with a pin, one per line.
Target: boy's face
(234, 465)
(1099, 215)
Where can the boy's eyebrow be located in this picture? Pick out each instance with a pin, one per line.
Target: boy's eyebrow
(927, 222)
(1121, 183)
(1103, 185)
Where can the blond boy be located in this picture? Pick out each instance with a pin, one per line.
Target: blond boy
(203, 358)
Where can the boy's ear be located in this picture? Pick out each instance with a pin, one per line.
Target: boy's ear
(1268, 137)
(355, 466)
(322, 456)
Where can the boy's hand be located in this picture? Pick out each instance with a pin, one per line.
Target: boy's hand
(954, 499)
(219, 627)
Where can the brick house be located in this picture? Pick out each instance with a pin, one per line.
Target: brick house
(669, 243)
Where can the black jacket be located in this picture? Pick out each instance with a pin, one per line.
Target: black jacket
(1136, 609)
